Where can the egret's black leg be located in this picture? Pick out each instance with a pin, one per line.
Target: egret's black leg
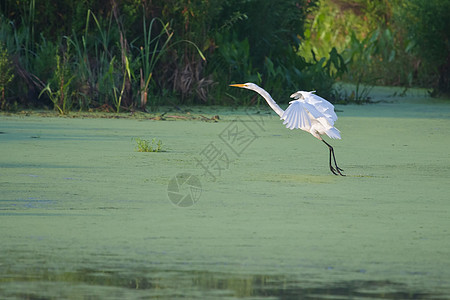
(331, 166)
(335, 170)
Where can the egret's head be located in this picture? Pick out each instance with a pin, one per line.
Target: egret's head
(248, 85)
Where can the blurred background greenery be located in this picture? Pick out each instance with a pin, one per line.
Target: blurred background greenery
(127, 54)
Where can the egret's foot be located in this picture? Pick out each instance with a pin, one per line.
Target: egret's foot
(336, 171)
(339, 171)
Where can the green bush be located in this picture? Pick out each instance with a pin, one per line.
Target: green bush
(428, 26)
(384, 42)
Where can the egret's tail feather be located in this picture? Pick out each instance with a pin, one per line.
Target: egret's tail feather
(333, 133)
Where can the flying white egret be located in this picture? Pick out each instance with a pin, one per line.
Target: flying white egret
(307, 112)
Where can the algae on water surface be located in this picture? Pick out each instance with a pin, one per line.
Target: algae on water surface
(82, 215)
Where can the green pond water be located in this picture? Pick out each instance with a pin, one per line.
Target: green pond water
(240, 208)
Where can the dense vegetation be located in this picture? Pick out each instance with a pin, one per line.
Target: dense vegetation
(404, 43)
(127, 54)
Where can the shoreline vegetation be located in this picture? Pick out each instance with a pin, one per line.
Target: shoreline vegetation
(139, 56)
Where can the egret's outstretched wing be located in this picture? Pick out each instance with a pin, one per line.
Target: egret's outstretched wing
(296, 115)
(322, 106)
(305, 116)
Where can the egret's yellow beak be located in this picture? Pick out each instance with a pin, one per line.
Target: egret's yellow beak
(238, 85)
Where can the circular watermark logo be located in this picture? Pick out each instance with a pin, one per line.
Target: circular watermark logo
(184, 189)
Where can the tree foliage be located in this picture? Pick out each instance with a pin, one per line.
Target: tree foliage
(428, 26)
(385, 42)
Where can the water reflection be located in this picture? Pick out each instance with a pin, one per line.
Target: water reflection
(163, 284)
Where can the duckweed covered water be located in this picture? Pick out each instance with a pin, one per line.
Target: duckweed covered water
(258, 214)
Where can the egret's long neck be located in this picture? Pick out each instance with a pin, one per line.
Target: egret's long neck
(271, 102)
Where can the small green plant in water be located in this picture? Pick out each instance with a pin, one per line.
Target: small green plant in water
(146, 146)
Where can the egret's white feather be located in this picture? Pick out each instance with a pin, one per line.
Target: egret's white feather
(333, 133)
(296, 117)
(321, 105)
(319, 112)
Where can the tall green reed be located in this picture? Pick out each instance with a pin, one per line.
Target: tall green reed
(93, 60)
(118, 95)
(154, 48)
(61, 96)
(150, 53)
